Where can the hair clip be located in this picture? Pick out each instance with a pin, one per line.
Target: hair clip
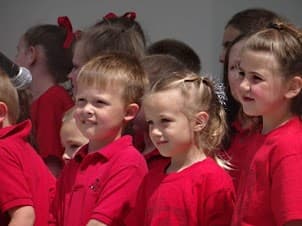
(64, 22)
(277, 26)
(110, 15)
(130, 15)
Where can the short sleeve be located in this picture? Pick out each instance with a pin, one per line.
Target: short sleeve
(14, 189)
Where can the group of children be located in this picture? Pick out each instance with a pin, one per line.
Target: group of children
(147, 140)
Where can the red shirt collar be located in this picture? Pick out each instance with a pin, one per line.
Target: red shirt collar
(108, 151)
(21, 130)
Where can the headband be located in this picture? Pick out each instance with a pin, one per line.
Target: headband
(63, 21)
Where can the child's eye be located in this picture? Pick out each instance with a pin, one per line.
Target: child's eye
(80, 101)
(165, 120)
(149, 122)
(101, 102)
(257, 78)
(241, 73)
(74, 146)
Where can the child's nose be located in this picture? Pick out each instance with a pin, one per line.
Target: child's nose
(245, 85)
(155, 131)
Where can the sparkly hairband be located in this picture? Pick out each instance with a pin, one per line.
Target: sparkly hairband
(129, 15)
(63, 21)
(218, 88)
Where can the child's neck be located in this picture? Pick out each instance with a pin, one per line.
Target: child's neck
(180, 163)
(280, 118)
(41, 82)
(96, 145)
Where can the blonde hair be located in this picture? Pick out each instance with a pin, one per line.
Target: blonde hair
(284, 42)
(9, 95)
(198, 95)
(117, 70)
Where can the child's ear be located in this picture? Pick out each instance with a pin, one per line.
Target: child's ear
(294, 87)
(31, 55)
(201, 120)
(131, 112)
(3, 112)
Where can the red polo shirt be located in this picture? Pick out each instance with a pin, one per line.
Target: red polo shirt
(25, 180)
(101, 185)
(46, 114)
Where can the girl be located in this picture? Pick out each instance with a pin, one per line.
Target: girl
(71, 137)
(269, 191)
(117, 34)
(240, 125)
(244, 22)
(186, 124)
(46, 51)
(156, 66)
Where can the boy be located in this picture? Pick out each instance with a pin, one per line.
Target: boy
(26, 184)
(98, 186)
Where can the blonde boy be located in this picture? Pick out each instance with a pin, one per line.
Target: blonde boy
(99, 184)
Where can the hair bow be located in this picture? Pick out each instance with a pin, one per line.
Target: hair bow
(64, 22)
(129, 15)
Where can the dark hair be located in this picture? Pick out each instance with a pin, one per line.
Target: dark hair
(253, 19)
(51, 38)
(179, 50)
(158, 66)
(104, 39)
(123, 22)
(232, 106)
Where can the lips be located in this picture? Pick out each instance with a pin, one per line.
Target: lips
(247, 99)
(161, 142)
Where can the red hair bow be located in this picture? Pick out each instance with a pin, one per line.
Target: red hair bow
(64, 22)
(129, 15)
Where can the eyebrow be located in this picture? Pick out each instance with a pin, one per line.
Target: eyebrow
(226, 44)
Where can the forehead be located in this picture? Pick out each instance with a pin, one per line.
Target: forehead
(230, 33)
(236, 48)
(252, 60)
(164, 99)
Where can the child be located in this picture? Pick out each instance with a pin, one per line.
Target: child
(155, 66)
(180, 50)
(110, 35)
(241, 126)
(246, 21)
(98, 186)
(46, 51)
(269, 191)
(71, 137)
(27, 186)
(186, 124)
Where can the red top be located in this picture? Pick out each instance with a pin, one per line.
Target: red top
(270, 188)
(101, 185)
(25, 180)
(237, 153)
(201, 194)
(46, 114)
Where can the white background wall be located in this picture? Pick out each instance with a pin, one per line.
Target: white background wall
(199, 23)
